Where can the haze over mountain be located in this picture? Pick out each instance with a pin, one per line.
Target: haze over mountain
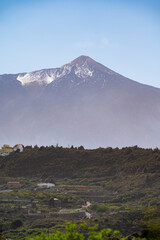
(80, 103)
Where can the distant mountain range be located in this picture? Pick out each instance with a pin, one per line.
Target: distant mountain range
(80, 103)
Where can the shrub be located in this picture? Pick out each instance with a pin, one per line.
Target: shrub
(16, 224)
(72, 234)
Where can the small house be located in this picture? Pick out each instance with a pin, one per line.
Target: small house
(55, 202)
(13, 184)
(18, 147)
(46, 185)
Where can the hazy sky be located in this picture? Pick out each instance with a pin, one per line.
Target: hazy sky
(124, 35)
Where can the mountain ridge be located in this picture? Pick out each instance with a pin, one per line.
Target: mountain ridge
(79, 61)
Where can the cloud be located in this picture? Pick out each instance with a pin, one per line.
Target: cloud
(99, 43)
(104, 42)
(85, 44)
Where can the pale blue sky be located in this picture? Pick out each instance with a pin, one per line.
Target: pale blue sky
(124, 35)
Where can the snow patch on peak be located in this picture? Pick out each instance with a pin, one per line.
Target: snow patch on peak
(41, 77)
(83, 72)
(44, 76)
(80, 67)
(66, 69)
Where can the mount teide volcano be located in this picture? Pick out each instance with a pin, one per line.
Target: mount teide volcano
(80, 103)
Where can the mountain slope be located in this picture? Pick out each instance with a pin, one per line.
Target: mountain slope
(82, 102)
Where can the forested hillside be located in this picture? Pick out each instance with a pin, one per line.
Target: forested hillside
(80, 163)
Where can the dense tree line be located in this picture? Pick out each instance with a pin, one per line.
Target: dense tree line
(78, 162)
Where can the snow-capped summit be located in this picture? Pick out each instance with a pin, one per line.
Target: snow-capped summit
(82, 67)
